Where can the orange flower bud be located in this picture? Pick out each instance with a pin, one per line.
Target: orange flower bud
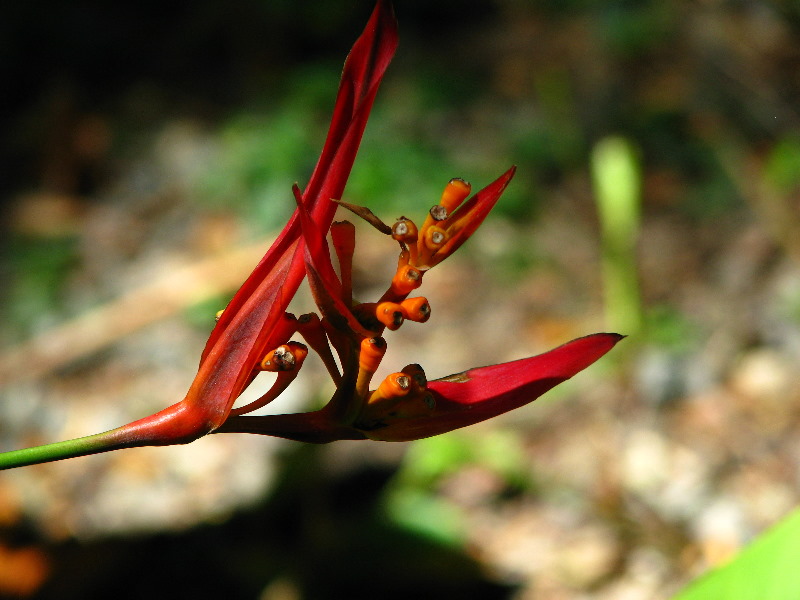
(406, 279)
(371, 354)
(455, 192)
(287, 357)
(417, 309)
(390, 314)
(369, 358)
(405, 231)
(395, 385)
(434, 238)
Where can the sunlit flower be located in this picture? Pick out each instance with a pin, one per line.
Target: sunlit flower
(254, 332)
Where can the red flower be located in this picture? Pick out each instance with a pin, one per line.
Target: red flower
(253, 332)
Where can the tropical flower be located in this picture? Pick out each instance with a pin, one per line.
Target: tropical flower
(254, 332)
(405, 405)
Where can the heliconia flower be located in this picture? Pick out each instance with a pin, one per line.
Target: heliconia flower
(253, 332)
(254, 321)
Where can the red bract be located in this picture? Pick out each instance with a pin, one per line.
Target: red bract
(253, 332)
(480, 394)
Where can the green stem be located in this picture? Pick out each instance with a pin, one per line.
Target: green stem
(180, 423)
(83, 446)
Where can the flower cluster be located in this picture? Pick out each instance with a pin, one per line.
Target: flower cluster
(253, 333)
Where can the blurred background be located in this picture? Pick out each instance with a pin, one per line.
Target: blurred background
(147, 152)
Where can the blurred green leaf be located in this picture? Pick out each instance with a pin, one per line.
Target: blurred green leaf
(38, 268)
(767, 569)
(631, 28)
(671, 329)
(426, 514)
(783, 165)
(413, 501)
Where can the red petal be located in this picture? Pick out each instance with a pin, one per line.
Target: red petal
(485, 392)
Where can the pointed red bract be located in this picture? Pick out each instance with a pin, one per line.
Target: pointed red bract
(469, 216)
(485, 392)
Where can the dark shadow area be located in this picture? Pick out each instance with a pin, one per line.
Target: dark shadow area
(324, 537)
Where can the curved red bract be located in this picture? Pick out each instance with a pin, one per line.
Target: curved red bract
(486, 392)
